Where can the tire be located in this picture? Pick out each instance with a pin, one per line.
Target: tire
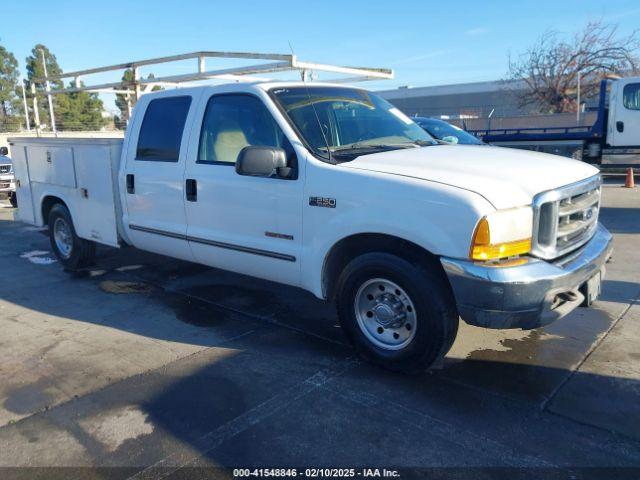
(13, 200)
(416, 304)
(72, 251)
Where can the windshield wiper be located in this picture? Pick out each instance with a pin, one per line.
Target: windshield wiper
(372, 146)
(424, 143)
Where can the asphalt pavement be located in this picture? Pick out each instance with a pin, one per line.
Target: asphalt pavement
(147, 366)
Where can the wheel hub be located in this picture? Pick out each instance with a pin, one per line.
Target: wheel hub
(385, 314)
(63, 237)
(388, 311)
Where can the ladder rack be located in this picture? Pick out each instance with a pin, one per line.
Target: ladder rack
(269, 63)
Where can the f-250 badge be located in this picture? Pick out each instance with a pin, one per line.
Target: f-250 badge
(325, 202)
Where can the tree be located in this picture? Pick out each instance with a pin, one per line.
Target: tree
(79, 111)
(550, 69)
(35, 69)
(10, 105)
(73, 111)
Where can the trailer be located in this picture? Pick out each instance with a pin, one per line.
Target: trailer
(612, 141)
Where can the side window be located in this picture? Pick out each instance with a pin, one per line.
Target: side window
(631, 96)
(232, 122)
(162, 128)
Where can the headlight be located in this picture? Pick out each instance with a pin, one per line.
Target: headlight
(501, 234)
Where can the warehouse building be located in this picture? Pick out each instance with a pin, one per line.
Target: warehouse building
(460, 101)
(470, 105)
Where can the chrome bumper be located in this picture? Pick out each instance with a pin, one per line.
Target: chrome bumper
(7, 184)
(529, 295)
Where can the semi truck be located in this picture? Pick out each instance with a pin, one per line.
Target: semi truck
(612, 141)
(330, 189)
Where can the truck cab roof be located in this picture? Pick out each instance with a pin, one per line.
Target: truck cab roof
(263, 86)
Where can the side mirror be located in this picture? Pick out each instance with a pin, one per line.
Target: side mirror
(263, 162)
(4, 151)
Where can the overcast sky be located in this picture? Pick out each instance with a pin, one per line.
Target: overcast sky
(425, 42)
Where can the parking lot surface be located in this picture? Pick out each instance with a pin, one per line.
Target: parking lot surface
(158, 366)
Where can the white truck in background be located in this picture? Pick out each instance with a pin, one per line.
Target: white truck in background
(7, 180)
(612, 141)
(331, 189)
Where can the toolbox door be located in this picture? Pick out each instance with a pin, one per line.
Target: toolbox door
(23, 183)
(96, 212)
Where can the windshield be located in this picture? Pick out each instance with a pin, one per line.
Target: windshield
(447, 132)
(354, 122)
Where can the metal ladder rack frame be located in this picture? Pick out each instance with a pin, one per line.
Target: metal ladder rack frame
(273, 63)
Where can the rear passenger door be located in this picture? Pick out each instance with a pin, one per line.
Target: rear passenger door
(156, 153)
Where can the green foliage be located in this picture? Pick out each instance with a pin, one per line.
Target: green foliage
(10, 105)
(35, 70)
(79, 111)
(73, 111)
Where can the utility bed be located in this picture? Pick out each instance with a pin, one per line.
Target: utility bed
(81, 171)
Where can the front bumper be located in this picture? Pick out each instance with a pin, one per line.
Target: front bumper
(529, 295)
(7, 185)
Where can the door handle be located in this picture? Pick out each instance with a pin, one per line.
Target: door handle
(131, 184)
(191, 189)
(620, 126)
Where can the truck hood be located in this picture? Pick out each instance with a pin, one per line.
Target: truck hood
(506, 177)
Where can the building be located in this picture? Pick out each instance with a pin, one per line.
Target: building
(482, 105)
(460, 101)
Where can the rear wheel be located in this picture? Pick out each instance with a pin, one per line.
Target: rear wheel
(397, 314)
(72, 251)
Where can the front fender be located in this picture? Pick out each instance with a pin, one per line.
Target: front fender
(439, 218)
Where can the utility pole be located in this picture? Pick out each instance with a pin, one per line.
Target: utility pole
(24, 104)
(48, 88)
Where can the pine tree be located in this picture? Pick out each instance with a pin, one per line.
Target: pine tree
(10, 105)
(73, 111)
(35, 69)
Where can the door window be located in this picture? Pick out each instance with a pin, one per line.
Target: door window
(232, 122)
(631, 96)
(162, 128)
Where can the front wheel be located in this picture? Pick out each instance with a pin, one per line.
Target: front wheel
(72, 251)
(13, 200)
(400, 315)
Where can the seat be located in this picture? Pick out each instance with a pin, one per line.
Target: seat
(229, 141)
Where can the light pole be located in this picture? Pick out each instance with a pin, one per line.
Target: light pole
(578, 106)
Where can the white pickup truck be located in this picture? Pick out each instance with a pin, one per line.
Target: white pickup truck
(331, 189)
(7, 181)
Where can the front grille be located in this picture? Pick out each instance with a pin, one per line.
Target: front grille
(5, 168)
(565, 218)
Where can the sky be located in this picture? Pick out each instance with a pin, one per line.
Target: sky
(425, 42)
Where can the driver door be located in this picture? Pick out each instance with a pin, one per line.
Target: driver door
(250, 225)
